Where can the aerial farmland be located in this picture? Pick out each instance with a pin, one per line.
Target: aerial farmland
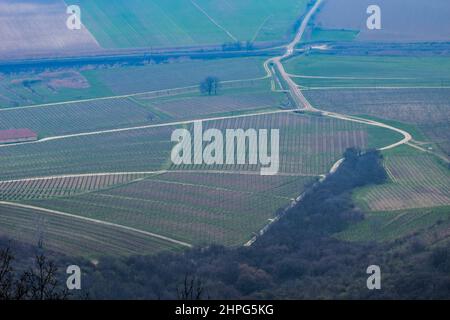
(355, 123)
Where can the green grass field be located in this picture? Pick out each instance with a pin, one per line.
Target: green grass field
(32, 88)
(137, 79)
(367, 71)
(330, 35)
(174, 23)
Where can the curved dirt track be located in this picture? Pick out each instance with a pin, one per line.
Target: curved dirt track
(101, 222)
(303, 103)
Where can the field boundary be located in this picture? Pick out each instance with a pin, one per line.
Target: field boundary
(195, 4)
(167, 92)
(105, 223)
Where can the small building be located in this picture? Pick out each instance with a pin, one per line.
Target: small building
(17, 136)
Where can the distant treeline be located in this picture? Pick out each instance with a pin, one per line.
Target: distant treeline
(298, 258)
(356, 48)
(227, 50)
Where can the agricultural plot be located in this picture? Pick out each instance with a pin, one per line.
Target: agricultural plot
(34, 87)
(387, 226)
(308, 145)
(75, 237)
(129, 151)
(34, 28)
(114, 113)
(152, 81)
(414, 21)
(284, 186)
(78, 117)
(175, 23)
(329, 35)
(426, 109)
(324, 71)
(203, 209)
(51, 187)
(416, 181)
(260, 21)
(138, 79)
(227, 102)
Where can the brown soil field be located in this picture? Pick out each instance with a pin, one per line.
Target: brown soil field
(33, 28)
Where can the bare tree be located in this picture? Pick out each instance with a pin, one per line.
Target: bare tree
(210, 85)
(6, 279)
(10, 287)
(42, 281)
(192, 289)
(38, 283)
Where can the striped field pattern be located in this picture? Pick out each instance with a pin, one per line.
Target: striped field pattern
(416, 182)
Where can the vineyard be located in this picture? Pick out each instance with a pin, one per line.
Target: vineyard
(197, 204)
(308, 145)
(392, 225)
(43, 188)
(77, 117)
(84, 180)
(287, 186)
(204, 209)
(417, 181)
(75, 237)
(129, 151)
(426, 109)
(187, 107)
(113, 113)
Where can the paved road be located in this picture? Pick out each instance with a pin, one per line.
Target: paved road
(296, 93)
